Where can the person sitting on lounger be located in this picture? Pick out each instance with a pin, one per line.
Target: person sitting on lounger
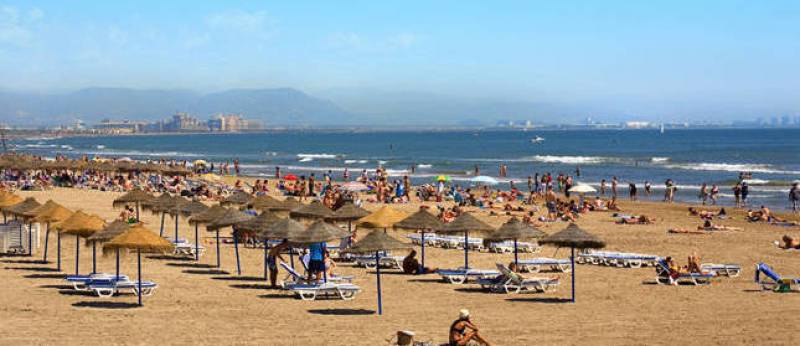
(412, 266)
(464, 333)
(693, 264)
(789, 242)
(674, 269)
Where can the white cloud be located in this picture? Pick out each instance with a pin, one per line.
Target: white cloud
(15, 27)
(257, 23)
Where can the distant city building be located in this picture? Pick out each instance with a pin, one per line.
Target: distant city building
(183, 122)
(637, 124)
(232, 123)
(120, 126)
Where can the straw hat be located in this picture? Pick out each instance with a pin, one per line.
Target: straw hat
(318, 232)
(229, 218)
(139, 238)
(348, 212)
(515, 229)
(463, 314)
(283, 229)
(422, 219)
(81, 224)
(574, 236)
(385, 217)
(378, 240)
(134, 196)
(208, 215)
(313, 210)
(21, 208)
(465, 223)
(50, 212)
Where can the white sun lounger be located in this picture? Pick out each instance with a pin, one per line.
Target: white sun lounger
(80, 282)
(729, 270)
(344, 291)
(511, 283)
(431, 239)
(617, 259)
(535, 265)
(294, 278)
(460, 275)
(663, 276)
(508, 246)
(107, 287)
(391, 262)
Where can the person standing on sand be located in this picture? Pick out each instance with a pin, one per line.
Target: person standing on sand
(632, 191)
(530, 184)
(273, 256)
(794, 197)
(745, 192)
(614, 183)
(713, 194)
(277, 172)
(236, 166)
(737, 194)
(703, 196)
(647, 188)
(602, 187)
(477, 170)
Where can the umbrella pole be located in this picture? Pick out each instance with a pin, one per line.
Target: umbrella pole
(573, 274)
(218, 261)
(516, 254)
(466, 250)
(236, 249)
(176, 228)
(378, 271)
(266, 266)
(161, 231)
(139, 273)
(77, 253)
(137, 211)
(422, 263)
(46, 241)
(94, 257)
(196, 243)
(117, 277)
(58, 251)
(30, 238)
(291, 256)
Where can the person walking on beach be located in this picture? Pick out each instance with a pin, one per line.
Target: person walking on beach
(602, 187)
(477, 170)
(703, 195)
(236, 166)
(632, 191)
(277, 172)
(745, 192)
(647, 188)
(614, 183)
(794, 196)
(714, 194)
(530, 184)
(737, 195)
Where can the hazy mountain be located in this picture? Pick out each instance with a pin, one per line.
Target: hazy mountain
(272, 106)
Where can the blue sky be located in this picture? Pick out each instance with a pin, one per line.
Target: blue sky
(685, 53)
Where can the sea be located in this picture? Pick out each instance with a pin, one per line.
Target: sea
(689, 157)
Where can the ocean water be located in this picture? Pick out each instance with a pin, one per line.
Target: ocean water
(689, 157)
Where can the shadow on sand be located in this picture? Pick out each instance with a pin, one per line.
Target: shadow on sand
(239, 278)
(548, 300)
(252, 286)
(33, 269)
(192, 265)
(45, 276)
(106, 305)
(206, 272)
(342, 312)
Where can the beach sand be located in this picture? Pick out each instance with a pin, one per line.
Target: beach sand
(614, 306)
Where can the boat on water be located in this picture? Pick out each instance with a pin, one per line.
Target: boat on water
(537, 140)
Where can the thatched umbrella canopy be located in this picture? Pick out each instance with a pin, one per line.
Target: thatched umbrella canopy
(82, 225)
(465, 223)
(348, 212)
(421, 220)
(168, 205)
(514, 229)
(192, 208)
(259, 223)
(135, 196)
(283, 229)
(318, 232)
(21, 208)
(375, 242)
(385, 217)
(49, 212)
(265, 202)
(107, 234)
(574, 237)
(8, 199)
(208, 215)
(288, 204)
(314, 210)
(142, 240)
(231, 217)
(237, 198)
(151, 203)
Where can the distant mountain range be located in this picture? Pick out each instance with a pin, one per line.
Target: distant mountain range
(283, 106)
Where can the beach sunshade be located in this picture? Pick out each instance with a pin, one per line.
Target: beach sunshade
(376, 242)
(210, 177)
(49, 212)
(237, 198)
(465, 222)
(8, 199)
(442, 178)
(385, 217)
(514, 229)
(484, 179)
(313, 210)
(169, 204)
(574, 237)
(142, 240)
(259, 223)
(265, 202)
(133, 196)
(318, 232)
(283, 229)
(582, 188)
(81, 224)
(229, 218)
(156, 201)
(192, 208)
(422, 219)
(348, 212)
(110, 231)
(354, 186)
(290, 177)
(290, 203)
(199, 163)
(208, 216)
(23, 207)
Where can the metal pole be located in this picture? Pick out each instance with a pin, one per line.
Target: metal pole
(139, 273)
(196, 243)
(422, 263)
(573, 274)
(137, 211)
(58, 251)
(466, 250)
(77, 253)
(266, 265)
(30, 238)
(94, 257)
(378, 271)
(218, 261)
(46, 242)
(236, 249)
(117, 277)
(176, 227)
(516, 254)
(161, 232)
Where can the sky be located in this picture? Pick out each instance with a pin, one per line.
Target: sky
(715, 55)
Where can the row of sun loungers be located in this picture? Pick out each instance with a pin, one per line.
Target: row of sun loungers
(389, 262)
(708, 271)
(616, 259)
(457, 242)
(108, 285)
(183, 248)
(511, 283)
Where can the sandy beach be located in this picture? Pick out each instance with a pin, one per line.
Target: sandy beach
(614, 305)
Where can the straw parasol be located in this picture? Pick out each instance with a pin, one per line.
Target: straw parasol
(149, 204)
(50, 212)
(108, 233)
(465, 223)
(230, 218)
(189, 210)
(385, 217)
(19, 209)
(81, 224)
(313, 210)
(290, 203)
(375, 242)
(318, 232)
(136, 196)
(169, 205)
(140, 239)
(259, 223)
(574, 237)
(281, 230)
(8, 199)
(206, 217)
(421, 220)
(514, 229)
(264, 202)
(237, 198)
(348, 212)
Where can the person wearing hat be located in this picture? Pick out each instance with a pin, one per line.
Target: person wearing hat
(464, 333)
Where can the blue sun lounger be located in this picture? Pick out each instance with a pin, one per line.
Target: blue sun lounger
(770, 280)
(80, 282)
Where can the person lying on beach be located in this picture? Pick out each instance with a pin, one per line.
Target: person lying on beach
(464, 333)
(635, 220)
(708, 226)
(707, 214)
(789, 242)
